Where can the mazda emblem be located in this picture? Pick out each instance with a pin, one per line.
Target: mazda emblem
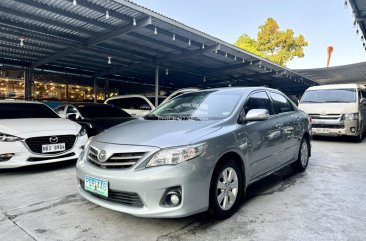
(53, 139)
(102, 156)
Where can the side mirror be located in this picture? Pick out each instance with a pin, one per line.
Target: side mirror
(73, 117)
(363, 100)
(257, 115)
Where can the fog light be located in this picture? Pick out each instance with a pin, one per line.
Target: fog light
(172, 197)
(353, 130)
(6, 157)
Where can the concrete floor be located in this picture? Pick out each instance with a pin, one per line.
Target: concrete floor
(327, 202)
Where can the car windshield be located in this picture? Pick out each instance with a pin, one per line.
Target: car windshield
(205, 105)
(25, 110)
(101, 111)
(329, 96)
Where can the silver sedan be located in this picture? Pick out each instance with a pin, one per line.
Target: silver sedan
(198, 152)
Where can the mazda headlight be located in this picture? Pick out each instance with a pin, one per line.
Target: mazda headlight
(351, 116)
(8, 138)
(82, 132)
(174, 156)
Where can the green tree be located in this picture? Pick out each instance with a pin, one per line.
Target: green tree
(273, 44)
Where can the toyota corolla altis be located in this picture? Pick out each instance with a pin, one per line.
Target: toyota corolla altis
(196, 153)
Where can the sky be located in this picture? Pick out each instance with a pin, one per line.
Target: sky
(322, 22)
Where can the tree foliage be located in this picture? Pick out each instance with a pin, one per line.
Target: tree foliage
(273, 44)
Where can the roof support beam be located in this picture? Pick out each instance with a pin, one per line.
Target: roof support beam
(95, 40)
(191, 53)
(230, 67)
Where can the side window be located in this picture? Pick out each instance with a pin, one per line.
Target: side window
(259, 100)
(131, 103)
(363, 93)
(281, 104)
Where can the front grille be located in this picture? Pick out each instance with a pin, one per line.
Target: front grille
(37, 159)
(326, 117)
(116, 161)
(328, 126)
(124, 198)
(35, 143)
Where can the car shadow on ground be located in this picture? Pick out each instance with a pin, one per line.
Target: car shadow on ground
(348, 139)
(276, 182)
(48, 167)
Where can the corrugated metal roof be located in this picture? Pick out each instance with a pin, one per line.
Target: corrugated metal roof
(59, 34)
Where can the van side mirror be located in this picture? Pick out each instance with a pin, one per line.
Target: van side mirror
(363, 100)
(257, 115)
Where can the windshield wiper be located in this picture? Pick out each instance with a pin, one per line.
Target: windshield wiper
(151, 117)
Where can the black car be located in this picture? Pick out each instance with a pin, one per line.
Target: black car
(94, 117)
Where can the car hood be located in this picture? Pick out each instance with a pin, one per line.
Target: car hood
(24, 127)
(158, 133)
(328, 108)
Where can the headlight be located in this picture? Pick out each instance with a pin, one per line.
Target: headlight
(8, 138)
(351, 116)
(174, 156)
(82, 131)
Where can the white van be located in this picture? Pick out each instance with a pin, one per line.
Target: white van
(336, 110)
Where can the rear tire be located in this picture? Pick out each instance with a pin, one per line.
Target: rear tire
(303, 158)
(225, 190)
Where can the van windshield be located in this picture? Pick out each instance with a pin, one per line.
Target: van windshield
(329, 96)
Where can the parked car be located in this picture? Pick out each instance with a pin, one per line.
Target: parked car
(94, 117)
(196, 153)
(336, 110)
(32, 133)
(140, 105)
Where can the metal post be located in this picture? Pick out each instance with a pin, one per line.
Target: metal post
(28, 84)
(106, 89)
(95, 89)
(156, 85)
(67, 91)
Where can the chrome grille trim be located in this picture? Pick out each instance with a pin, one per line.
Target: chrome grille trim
(116, 160)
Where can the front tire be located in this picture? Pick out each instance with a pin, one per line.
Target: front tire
(303, 158)
(225, 190)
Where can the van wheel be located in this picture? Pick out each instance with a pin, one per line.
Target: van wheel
(303, 158)
(225, 190)
(359, 137)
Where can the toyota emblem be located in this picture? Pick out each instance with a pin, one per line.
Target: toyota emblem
(323, 113)
(102, 156)
(53, 139)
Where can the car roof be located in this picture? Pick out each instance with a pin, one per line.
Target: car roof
(336, 86)
(20, 102)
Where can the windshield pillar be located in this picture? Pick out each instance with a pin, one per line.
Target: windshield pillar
(156, 85)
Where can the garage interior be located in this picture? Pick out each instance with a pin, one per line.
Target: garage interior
(105, 46)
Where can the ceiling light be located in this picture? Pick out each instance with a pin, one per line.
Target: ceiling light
(204, 79)
(203, 45)
(189, 41)
(134, 23)
(166, 71)
(107, 14)
(155, 30)
(74, 2)
(21, 39)
(173, 37)
(234, 57)
(226, 55)
(109, 59)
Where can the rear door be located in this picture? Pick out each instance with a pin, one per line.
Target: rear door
(263, 136)
(291, 131)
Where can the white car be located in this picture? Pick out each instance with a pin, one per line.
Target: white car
(32, 133)
(140, 105)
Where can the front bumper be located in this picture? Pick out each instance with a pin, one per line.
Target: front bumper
(24, 157)
(150, 184)
(336, 128)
